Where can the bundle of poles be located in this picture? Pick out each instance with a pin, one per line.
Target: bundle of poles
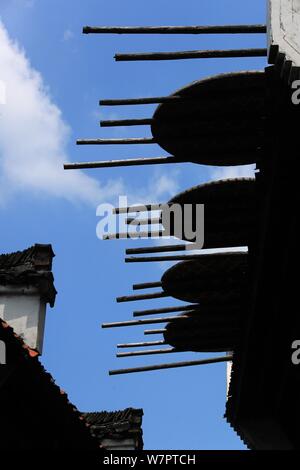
(157, 320)
(197, 54)
(183, 310)
(168, 159)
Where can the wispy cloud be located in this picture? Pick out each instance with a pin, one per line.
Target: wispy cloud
(68, 35)
(34, 136)
(164, 184)
(245, 171)
(160, 187)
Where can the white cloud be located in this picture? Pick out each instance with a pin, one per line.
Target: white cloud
(226, 172)
(33, 137)
(68, 34)
(163, 184)
(33, 140)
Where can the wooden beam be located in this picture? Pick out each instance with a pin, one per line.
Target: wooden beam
(157, 249)
(133, 235)
(155, 332)
(141, 345)
(218, 29)
(139, 101)
(149, 352)
(210, 54)
(130, 209)
(213, 360)
(146, 285)
(126, 122)
(131, 141)
(156, 311)
(159, 259)
(143, 322)
(149, 221)
(126, 162)
(132, 298)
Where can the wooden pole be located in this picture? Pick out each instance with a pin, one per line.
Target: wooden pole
(126, 162)
(146, 207)
(213, 360)
(138, 101)
(157, 249)
(126, 122)
(149, 352)
(146, 285)
(156, 311)
(151, 259)
(155, 332)
(143, 322)
(210, 54)
(219, 29)
(132, 298)
(131, 141)
(133, 235)
(141, 345)
(149, 221)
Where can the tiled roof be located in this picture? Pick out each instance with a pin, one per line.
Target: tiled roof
(30, 267)
(24, 355)
(116, 425)
(107, 418)
(36, 256)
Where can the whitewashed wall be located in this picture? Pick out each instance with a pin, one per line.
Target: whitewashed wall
(284, 27)
(24, 311)
(228, 375)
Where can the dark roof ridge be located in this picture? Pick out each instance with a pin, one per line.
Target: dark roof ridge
(31, 356)
(32, 266)
(38, 255)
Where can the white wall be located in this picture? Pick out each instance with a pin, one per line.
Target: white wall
(228, 375)
(284, 25)
(118, 444)
(25, 313)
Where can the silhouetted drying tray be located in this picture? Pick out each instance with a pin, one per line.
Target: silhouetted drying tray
(207, 330)
(206, 278)
(221, 122)
(229, 211)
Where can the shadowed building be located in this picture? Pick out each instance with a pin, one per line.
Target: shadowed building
(241, 304)
(28, 393)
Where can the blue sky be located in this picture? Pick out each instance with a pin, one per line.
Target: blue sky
(44, 114)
